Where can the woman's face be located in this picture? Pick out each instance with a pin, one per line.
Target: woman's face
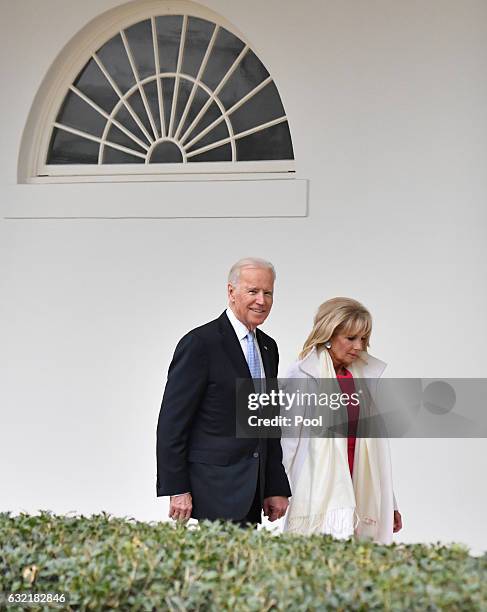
(345, 348)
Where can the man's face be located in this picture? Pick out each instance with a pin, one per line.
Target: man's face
(251, 300)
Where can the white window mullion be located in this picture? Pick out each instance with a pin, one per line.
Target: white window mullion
(143, 113)
(103, 113)
(234, 149)
(251, 94)
(108, 143)
(204, 132)
(262, 126)
(223, 117)
(215, 93)
(158, 79)
(178, 70)
(198, 79)
(125, 102)
(137, 80)
(219, 143)
(213, 145)
(228, 112)
(231, 70)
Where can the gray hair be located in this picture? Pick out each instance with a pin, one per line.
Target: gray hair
(248, 262)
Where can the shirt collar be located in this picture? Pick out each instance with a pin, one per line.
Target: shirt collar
(237, 325)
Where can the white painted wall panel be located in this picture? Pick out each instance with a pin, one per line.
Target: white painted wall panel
(387, 107)
(237, 198)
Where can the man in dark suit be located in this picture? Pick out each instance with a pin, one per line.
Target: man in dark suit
(206, 470)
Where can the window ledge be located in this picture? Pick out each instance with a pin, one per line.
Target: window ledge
(283, 197)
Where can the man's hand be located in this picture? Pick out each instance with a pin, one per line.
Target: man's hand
(180, 507)
(275, 507)
(397, 521)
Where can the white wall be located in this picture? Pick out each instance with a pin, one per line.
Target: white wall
(387, 105)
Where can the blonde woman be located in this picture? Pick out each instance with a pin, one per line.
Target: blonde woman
(342, 485)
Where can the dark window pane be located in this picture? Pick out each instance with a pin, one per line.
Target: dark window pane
(127, 121)
(248, 74)
(265, 106)
(139, 37)
(168, 37)
(116, 62)
(138, 107)
(198, 35)
(77, 113)
(217, 133)
(271, 143)
(167, 94)
(197, 104)
(211, 113)
(66, 148)
(223, 153)
(225, 51)
(117, 136)
(114, 156)
(92, 82)
(184, 91)
(153, 101)
(166, 152)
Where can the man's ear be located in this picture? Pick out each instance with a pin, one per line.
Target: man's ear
(231, 291)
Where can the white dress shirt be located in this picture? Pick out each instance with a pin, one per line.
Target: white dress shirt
(241, 330)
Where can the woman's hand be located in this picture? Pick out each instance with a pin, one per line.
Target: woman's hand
(397, 526)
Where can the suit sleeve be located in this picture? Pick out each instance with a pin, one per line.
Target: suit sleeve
(276, 481)
(185, 388)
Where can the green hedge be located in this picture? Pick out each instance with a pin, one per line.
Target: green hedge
(106, 563)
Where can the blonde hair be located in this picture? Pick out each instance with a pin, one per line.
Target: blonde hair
(338, 315)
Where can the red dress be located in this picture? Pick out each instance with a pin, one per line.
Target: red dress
(347, 386)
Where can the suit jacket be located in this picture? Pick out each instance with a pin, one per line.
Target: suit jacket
(197, 449)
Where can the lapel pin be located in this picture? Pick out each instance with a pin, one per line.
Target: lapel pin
(265, 347)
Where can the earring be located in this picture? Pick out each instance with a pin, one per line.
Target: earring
(328, 344)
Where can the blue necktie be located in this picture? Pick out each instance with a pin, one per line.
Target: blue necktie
(254, 362)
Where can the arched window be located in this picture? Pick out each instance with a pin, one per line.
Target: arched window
(171, 91)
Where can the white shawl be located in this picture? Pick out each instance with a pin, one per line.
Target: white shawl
(326, 498)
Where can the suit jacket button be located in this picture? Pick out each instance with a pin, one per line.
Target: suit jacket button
(256, 455)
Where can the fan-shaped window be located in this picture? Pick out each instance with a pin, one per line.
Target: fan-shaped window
(170, 90)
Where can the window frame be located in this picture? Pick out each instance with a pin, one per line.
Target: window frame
(62, 74)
